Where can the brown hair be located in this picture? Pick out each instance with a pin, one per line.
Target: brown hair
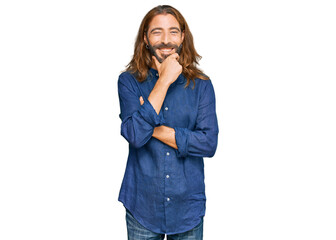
(142, 59)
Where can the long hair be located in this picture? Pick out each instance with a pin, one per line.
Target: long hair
(142, 59)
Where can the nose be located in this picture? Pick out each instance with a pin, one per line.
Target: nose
(165, 38)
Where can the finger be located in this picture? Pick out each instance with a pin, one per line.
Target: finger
(157, 63)
(175, 55)
(141, 100)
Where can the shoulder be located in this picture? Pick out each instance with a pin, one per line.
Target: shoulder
(128, 79)
(206, 89)
(125, 77)
(203, 83)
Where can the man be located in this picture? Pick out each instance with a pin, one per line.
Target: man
(169, 118)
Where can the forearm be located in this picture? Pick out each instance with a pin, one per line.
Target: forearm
(166, 135)
(168, 71)
(158, 94)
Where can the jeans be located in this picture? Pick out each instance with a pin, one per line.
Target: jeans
(136, 231)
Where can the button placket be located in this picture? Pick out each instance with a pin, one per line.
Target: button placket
(167, 177)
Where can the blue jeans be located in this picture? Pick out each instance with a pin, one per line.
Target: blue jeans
(136, 231)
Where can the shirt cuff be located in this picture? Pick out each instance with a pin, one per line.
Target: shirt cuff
(148, 113)
(182, 139)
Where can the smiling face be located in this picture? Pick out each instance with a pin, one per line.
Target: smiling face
(164, 36)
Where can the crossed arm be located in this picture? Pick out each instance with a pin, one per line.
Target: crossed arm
(140, 124)
(163, 133)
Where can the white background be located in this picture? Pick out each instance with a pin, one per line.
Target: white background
(272, 64)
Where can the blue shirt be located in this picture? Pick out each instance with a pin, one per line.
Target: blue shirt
(163, 187)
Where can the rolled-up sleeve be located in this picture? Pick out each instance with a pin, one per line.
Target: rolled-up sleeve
(138, 121)
(202, 141)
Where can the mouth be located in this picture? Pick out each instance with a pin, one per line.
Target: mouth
(166, 51)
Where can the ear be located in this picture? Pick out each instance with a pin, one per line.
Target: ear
(182, 34)
(145, 39)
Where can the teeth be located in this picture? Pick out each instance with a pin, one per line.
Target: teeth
(165, 50)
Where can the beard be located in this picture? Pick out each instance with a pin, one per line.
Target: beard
(153, 49)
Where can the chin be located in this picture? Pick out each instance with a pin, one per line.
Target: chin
(164, 56)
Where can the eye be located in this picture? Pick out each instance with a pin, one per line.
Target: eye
(156, 32)
(174, 32)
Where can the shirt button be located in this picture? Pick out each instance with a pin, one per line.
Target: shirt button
(157, 74)
(167, 153)
(168, 199)
(167, 176)
(166, 108)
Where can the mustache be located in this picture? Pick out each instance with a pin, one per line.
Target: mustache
(168, 45)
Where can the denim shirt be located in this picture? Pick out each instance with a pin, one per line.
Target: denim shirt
(163, 187)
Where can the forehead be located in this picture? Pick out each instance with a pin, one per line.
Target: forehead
(165, 21)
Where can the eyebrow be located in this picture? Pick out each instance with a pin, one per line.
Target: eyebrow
(172, 28)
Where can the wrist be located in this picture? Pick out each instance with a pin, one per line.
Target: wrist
(164, 82)
(156, 131)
